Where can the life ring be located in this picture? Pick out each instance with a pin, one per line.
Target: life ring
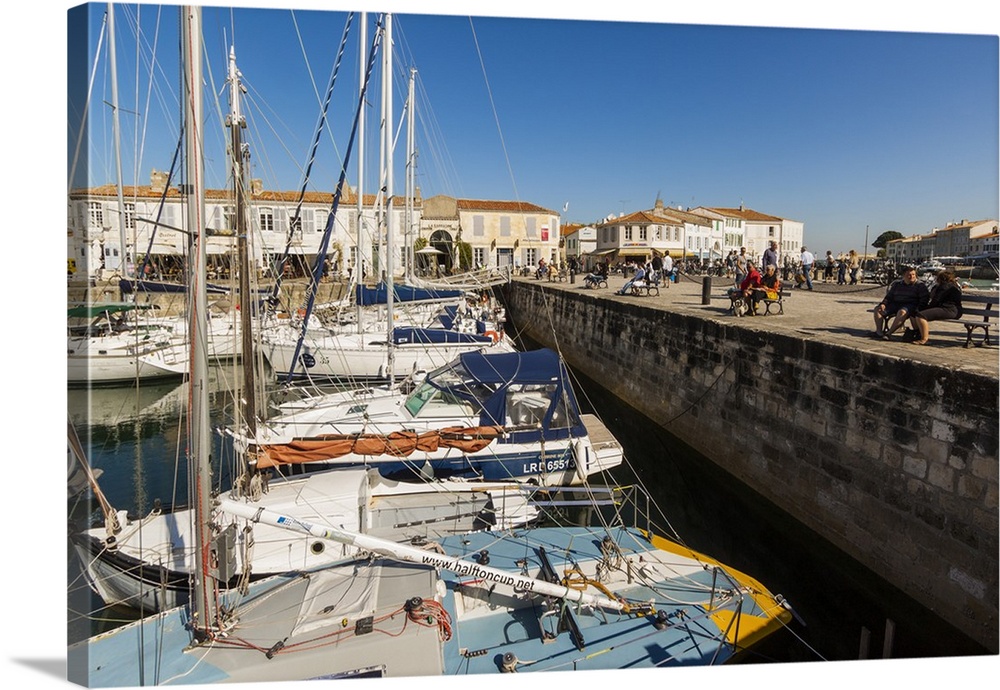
(494, 335)
(301, 313)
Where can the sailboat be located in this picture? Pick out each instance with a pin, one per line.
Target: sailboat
(110, 345)
(487, 416)
(519, 600)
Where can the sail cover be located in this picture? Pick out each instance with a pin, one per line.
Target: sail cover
(367, 296)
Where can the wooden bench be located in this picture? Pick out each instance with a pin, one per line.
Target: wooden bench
(982, 306)
(646, 288)
(768, 303)
(738, 306)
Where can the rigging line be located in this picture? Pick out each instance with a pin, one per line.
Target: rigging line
(331, 218)
(295, 221)
(312, 80)
(86, 105)
(496, 117)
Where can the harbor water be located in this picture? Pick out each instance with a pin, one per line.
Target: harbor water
(135, 436)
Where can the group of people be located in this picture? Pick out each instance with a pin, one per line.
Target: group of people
(756, 286)
(909, 299)
(656, 269)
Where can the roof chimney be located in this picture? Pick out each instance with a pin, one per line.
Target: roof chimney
(157, 180)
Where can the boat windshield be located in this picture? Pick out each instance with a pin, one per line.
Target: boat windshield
(449, 392)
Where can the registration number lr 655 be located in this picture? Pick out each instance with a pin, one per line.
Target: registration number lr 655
(555, 465)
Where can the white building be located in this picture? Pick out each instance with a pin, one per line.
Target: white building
(499, 232)
(579, 240)
(744, 227)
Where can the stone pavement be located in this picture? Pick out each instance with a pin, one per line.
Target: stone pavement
(833, 313)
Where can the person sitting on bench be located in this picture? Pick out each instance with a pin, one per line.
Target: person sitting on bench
(945, 303)
(770, 286)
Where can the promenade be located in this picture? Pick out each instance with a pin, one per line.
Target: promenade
(834, 314)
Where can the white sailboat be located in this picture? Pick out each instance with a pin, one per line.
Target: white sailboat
(113, 346)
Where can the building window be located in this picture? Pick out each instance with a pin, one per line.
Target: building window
(529, 228)
(627, 233)
(228, 218)
(478, 226)
(770, 231)
(504, 226)
(296, 222)
(96, 209)
(321, 216)
(530, 256)
(129, 217)
(479, 256)
(266, 219)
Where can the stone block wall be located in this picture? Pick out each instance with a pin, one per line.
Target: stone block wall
(892, 461)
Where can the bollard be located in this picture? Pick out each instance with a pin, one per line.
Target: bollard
(706, 290)
(572, 276)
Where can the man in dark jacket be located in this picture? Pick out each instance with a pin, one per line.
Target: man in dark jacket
(904, 297)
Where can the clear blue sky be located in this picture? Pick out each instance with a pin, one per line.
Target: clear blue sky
(840, 129)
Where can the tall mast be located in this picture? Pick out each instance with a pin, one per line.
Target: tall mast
(118, 139)
(363, 66)
(411, 164)
(387, 148)
(199, 437)
(240, 153)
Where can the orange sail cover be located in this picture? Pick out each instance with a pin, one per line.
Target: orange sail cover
(399, 444)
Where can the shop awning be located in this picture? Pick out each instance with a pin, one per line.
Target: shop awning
(635, 251)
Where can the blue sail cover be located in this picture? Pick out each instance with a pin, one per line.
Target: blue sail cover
(491, 381)
(405, 335)
(379, 294)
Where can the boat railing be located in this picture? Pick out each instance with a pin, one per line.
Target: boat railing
(618, 505)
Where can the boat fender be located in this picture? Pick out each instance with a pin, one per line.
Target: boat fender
(581, 457)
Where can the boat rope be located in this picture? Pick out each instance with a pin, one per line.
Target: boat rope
(331, 218)
(295, 220)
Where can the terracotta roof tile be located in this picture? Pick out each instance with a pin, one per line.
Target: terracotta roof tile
(511, 206)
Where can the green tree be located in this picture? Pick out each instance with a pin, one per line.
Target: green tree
(885, 238)
(464, 256)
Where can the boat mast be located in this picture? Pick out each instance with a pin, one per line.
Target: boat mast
(199, 437)
(411, 164)
(363, 67)
(118, 139)
(241, 153)
(387, 149)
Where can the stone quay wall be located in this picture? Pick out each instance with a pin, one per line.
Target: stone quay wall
(894, 461)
